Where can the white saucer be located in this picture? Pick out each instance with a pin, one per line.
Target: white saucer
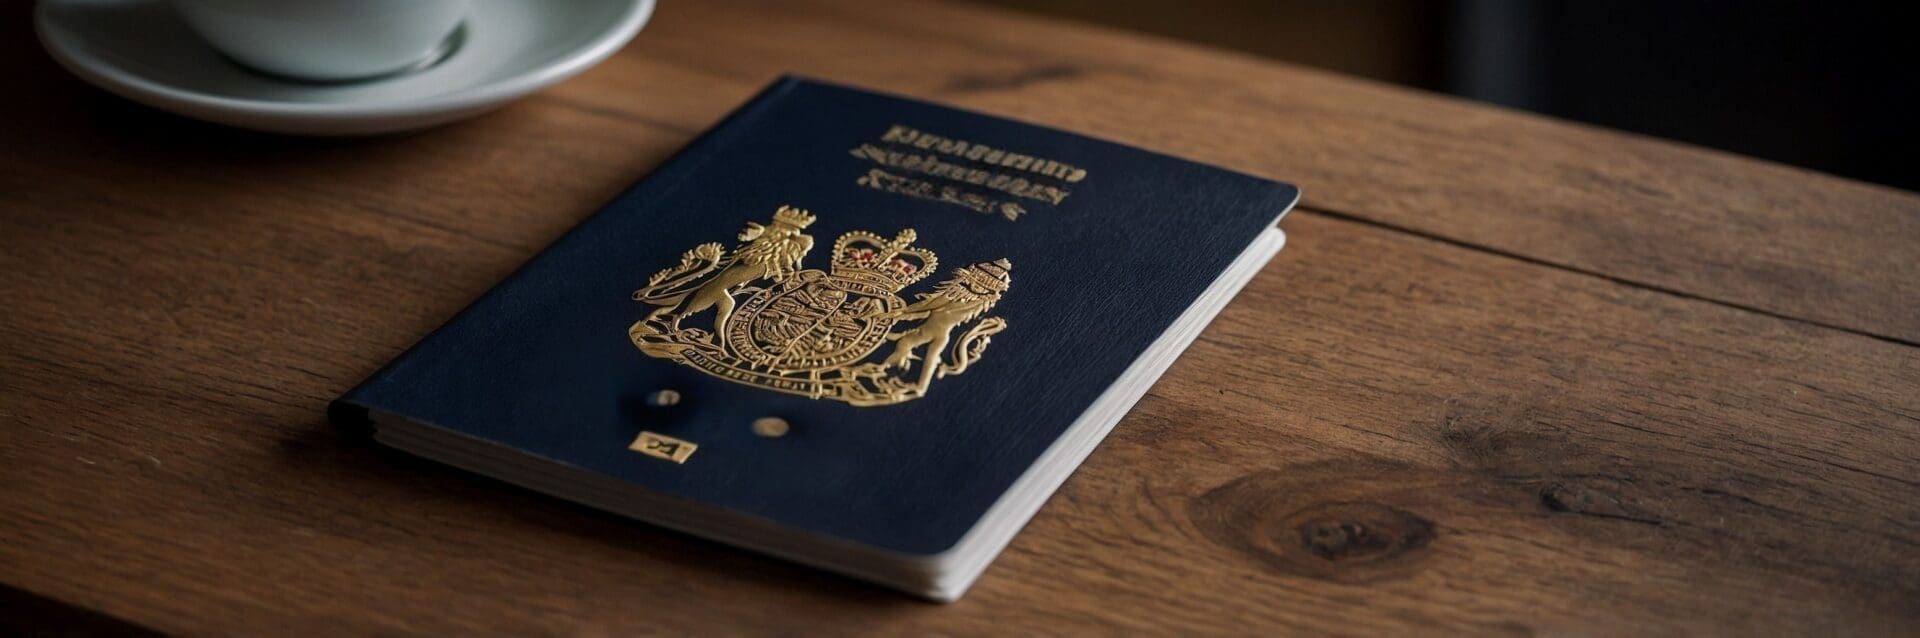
(139, 49)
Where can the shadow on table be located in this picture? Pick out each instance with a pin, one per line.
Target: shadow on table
(24, 613)
(361, 466)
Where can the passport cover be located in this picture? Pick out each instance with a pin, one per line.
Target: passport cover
(854, 315)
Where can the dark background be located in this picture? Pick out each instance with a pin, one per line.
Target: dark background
(1823, 85)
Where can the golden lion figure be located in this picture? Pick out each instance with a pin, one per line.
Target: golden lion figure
(770, 252)
(969, 293)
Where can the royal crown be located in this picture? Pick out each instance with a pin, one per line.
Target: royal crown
(990, 275)
(892, 264)
(795, 217)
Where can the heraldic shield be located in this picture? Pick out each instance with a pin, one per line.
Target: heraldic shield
(818, 334)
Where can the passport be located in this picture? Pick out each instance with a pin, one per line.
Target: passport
(856, 331)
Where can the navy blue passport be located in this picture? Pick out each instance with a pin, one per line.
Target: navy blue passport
(856, 331)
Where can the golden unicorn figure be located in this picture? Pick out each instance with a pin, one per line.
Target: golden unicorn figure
(969, 293)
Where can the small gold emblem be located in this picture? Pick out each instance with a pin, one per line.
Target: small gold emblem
(771, 427)
(663, 446)
(814, 333)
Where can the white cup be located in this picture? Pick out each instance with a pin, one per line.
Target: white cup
(327, 40)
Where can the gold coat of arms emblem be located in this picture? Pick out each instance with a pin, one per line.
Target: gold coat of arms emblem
(771, 324)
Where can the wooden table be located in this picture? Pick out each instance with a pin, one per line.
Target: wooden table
(1510, 376)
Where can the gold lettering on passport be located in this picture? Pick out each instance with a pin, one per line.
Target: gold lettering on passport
(816, 334)
(663, 447)
(988, 180)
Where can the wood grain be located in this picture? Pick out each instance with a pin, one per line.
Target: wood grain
(1721, 227)
(1513, 387)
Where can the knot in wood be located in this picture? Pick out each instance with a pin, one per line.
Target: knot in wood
(1360, 531)
(1267, 519)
